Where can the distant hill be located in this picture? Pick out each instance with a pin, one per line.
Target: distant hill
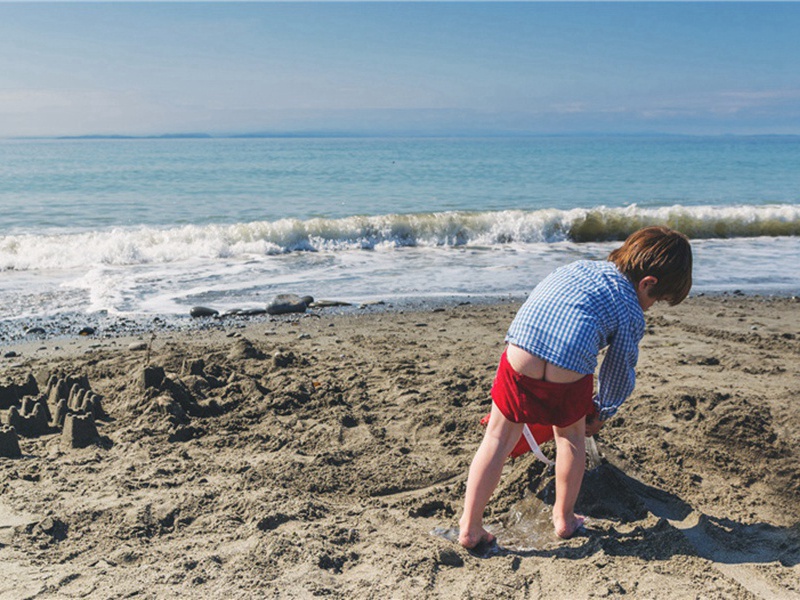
(165, 136)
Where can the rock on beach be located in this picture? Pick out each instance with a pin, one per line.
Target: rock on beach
(288, 303)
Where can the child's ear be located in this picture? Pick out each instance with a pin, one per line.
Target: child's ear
(647, 283)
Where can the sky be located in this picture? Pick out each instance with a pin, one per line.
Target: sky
(399, 68)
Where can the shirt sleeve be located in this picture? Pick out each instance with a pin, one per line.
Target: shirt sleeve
(617, 376)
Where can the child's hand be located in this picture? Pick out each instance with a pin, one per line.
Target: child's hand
(593, 425)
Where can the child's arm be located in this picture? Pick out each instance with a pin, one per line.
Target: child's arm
(617, 376)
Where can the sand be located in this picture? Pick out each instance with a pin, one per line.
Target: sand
(314, 456)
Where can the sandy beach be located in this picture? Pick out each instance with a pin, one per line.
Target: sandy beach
(326, 455)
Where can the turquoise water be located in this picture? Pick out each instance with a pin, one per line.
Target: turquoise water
(157, 225)
(93, 184)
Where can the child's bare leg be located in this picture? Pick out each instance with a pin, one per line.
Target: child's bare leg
(484, 475)
(570, 465)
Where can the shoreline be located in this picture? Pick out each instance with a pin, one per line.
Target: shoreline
(65, 328)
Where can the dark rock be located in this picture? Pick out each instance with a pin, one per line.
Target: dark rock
(202, 311)
(87, 331)
(328, 303)
(287, 303)
(10, 354)
(35, 331)
(371, 303)
(252, 312)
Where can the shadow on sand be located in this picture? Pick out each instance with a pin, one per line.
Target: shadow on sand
(610, 495)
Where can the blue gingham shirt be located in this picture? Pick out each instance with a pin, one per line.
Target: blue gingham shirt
(575, 312)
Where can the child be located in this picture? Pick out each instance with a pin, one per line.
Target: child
(545, 373)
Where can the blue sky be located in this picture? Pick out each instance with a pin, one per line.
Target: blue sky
(430, 68)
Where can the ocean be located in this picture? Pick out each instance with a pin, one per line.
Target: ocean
(152, 227)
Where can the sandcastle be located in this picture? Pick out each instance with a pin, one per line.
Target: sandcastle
(9, 443)
(68, 404)
(79, 430)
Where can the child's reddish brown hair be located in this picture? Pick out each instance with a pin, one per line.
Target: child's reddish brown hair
(662, 253)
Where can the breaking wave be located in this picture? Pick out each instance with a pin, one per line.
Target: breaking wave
(146, 245)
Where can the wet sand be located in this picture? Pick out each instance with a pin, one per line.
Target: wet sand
(315, 455)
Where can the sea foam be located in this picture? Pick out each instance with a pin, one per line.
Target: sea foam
(149, 245)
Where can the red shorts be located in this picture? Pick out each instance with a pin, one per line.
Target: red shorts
(522, 399)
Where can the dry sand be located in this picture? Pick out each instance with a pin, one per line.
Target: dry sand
(314, 456)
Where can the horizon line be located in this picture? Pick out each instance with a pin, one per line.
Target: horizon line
(381, 134)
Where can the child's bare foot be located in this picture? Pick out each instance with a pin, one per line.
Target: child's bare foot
(566, 528)
(470, 539)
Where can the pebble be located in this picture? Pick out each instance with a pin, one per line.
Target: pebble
(328, 303)
(137, 346)
(86, 331)
(371, 303)
(203, 311)
(10, 354)
(35, 331)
